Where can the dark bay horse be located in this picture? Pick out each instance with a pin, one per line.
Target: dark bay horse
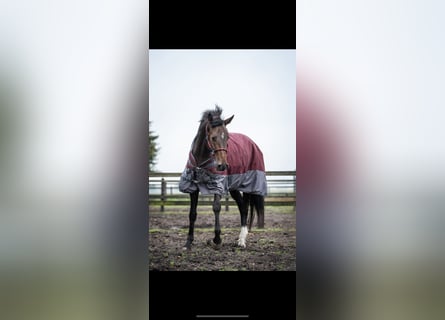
(220, 162)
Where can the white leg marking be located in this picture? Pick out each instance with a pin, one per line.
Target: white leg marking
(242, 237)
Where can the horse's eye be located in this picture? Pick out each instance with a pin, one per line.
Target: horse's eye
(214, 139)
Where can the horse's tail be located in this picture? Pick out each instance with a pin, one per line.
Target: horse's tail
(256, 204)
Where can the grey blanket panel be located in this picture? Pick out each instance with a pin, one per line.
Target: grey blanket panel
(253, 181)
(202, 180)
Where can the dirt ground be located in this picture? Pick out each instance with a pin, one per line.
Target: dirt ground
(270, 249)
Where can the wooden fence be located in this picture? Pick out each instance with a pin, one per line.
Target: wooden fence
(163, 190)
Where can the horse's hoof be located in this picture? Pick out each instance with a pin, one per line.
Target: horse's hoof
(241, 243)
(213, 244)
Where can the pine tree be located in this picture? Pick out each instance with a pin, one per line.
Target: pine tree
(153, 148)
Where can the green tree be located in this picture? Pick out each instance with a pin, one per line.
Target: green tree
(153, 148)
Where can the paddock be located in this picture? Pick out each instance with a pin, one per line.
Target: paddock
(270, 249)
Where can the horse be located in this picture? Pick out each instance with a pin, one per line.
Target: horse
(220, 162)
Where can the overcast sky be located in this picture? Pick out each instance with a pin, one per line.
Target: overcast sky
(385, 59)
(257, 86)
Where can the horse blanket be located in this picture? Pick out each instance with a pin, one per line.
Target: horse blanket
(246, 171)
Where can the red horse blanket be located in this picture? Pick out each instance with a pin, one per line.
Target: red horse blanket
(246, 171)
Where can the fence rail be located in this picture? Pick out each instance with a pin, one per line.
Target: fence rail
(164, 191)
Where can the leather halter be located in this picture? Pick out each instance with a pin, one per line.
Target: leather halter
(214, 124)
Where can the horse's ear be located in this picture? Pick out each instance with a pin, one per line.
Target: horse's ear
(228, 120)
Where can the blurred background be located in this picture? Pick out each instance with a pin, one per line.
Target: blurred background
(73, 116)
(371, 158)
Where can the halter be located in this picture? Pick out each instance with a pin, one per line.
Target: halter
(214, 150)
(214, 123)
(205, 164)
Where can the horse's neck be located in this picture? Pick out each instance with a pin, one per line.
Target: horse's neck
(199, 148)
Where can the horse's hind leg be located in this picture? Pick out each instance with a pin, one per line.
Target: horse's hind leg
(251, 217)
(243, 206)
(192, 219)
(258, 201)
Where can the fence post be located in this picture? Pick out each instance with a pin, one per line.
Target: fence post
(163, 193)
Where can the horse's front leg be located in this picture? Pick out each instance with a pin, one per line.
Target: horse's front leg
(192, 218)
(217, 210)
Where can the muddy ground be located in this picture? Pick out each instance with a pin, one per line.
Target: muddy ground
(269, 249)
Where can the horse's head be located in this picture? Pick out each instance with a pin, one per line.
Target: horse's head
(217, 136)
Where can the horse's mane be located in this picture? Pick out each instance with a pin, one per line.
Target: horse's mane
(214, 114)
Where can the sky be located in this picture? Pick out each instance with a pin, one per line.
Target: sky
(256, 86)
(384, 62)
(67, 60)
